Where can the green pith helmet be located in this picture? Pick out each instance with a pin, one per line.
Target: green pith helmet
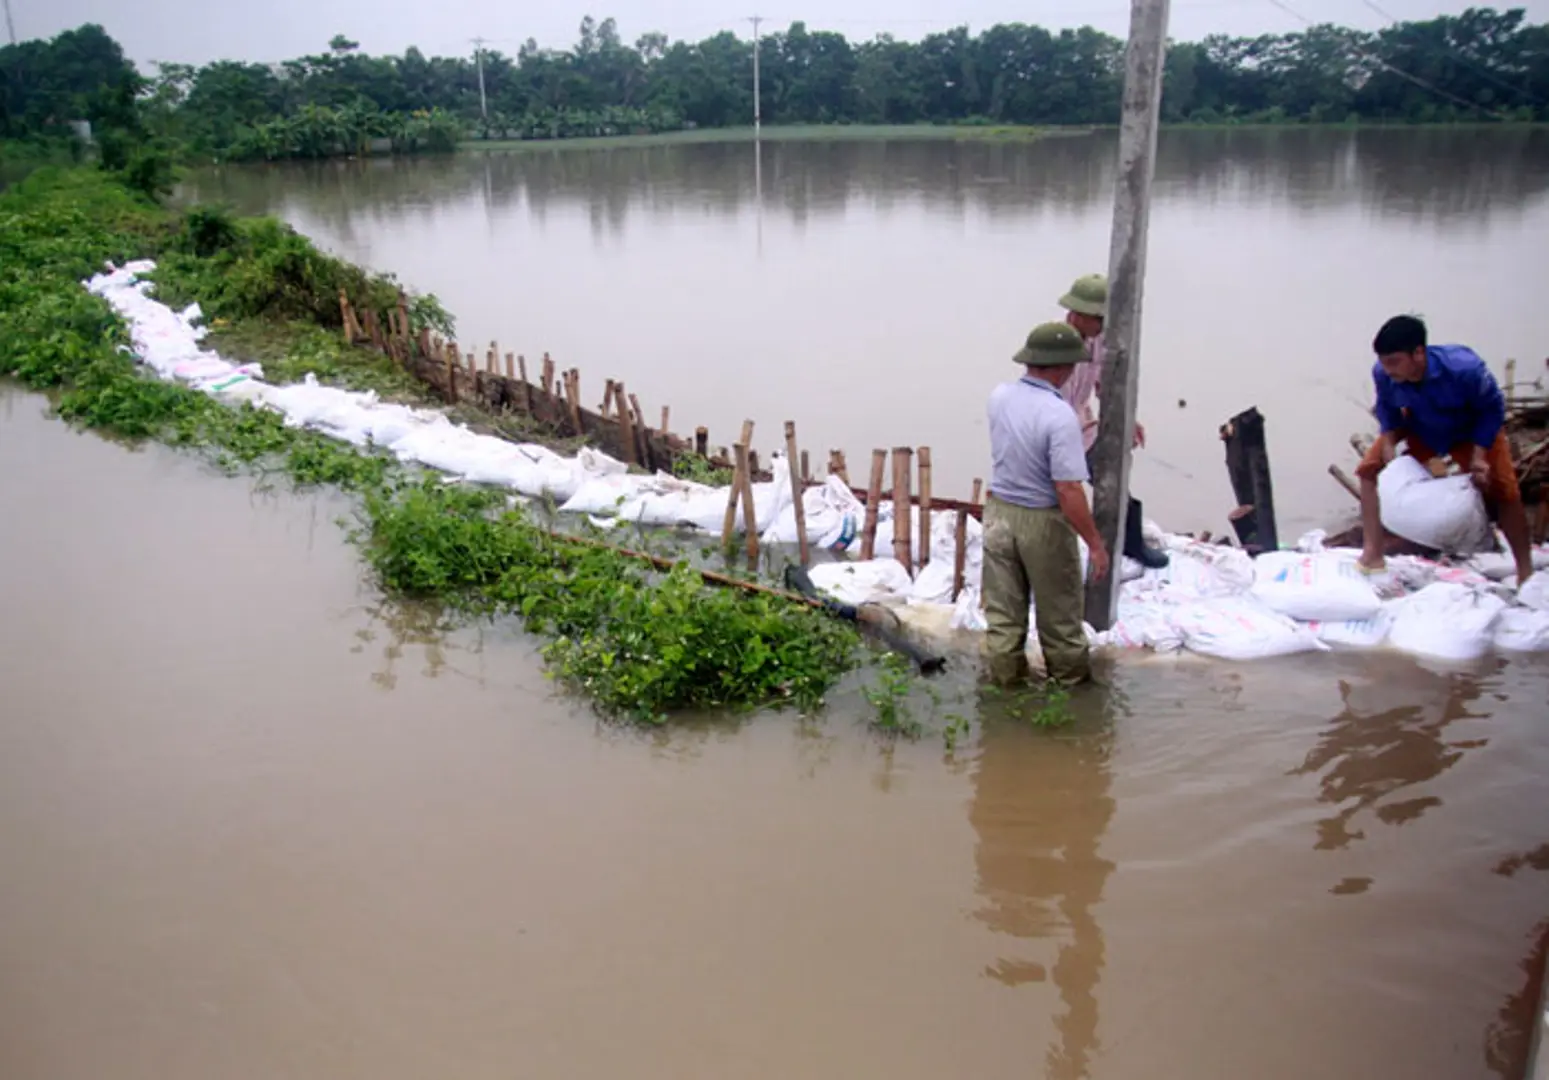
(1052, 345)
(1088, 296)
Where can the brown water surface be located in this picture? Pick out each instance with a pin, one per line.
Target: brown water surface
(256, 823)
(874, 291)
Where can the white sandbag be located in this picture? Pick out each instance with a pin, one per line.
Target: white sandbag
(1357, 633)
(1195, 570)
(1310, 543)
(933, 584)
(833, 518)
(1534, 593)
(1325, 588)
(873, 582)
(1446, 513)
(1446, 621)
(1522, 630)
(966, 613)
(1495, 565)
(1142, 624)
(1240, 628)
(607, 495)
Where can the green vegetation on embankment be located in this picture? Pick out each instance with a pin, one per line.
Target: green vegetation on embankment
(639, 643)
(1482, 65)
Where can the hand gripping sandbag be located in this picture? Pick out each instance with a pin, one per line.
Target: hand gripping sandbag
(1446, 514)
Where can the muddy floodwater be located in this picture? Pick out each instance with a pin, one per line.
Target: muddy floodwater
(256, 823)
(874, 292)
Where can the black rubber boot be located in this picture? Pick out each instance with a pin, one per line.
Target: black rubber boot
(1135, 545)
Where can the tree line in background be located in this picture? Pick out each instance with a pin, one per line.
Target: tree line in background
(1483, 65)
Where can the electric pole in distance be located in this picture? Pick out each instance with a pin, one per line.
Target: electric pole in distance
(757, 113)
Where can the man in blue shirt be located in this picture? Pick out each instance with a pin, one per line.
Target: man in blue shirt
(1440, 399)
(1036, 509)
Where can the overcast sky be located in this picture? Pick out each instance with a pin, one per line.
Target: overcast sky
(197, 31)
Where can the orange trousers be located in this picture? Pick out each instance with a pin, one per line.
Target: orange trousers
(1503, 474)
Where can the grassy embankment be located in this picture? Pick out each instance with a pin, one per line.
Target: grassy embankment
(639, 643)
(791, 133)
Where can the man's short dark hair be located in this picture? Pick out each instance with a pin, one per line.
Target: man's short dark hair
(1400, 334)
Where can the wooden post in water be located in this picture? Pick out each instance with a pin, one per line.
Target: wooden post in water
(796, 491)
(903, 519)
(1141, 103)
(626, 429)
(642, 436)
(923, 458)
(873, 504)
(838, 467)
(729, 524)
(960, 556)
(575, 401)
(750, 520)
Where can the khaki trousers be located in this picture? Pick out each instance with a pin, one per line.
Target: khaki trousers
(1033, 555)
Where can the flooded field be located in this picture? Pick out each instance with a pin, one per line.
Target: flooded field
(256, 823)
(873, 291)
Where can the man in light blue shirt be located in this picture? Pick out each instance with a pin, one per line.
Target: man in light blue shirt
(1036, 509)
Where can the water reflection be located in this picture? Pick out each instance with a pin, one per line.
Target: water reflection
(1447, 178)
(1509, 1038)
(1389, 741)
(1040, 807)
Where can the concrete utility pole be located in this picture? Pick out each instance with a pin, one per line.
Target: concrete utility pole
(10, 25)
(1141, 109)
(757, 113)
(478, 56)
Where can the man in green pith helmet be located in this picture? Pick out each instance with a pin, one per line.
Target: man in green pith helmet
(1036, 509)
(1086, 309)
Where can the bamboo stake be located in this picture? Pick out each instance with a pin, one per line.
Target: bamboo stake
(473, 363)
(749, 518)
(1511, 385)
(806, 468)
(424, 342)
(548, 374)
(509, 360)
(1345, 481)
(664, 428)
(521, 365)
(575, 401)
(449, 358)
(924, 463)
(752, 463)
(403, 320)
(838, 467)
(642, 434)
(960, 555)
(873, 500)
(492, 358)
(626, 429)
(796, 492)
(345, 318)
(901, 513)
(729, 524)
(606, 408)
(702, 441)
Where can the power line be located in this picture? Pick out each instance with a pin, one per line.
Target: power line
(1460, 56)
(1380, 62)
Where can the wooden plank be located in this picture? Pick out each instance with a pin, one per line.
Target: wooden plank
(1345, 481)
(1247, 466)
